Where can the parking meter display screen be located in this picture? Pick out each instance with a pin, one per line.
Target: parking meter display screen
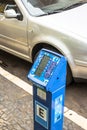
(42, 65)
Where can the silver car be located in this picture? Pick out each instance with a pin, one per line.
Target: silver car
(27, 26)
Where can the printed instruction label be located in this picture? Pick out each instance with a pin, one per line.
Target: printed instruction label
(41, 93)
(58, 108)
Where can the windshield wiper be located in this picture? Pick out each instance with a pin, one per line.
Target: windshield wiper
(64, 8)
(67, 8)
(54, 11)
(74, 5)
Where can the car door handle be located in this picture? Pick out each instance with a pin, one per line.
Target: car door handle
(30, 30)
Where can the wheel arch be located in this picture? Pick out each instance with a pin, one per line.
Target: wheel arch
(39, 46)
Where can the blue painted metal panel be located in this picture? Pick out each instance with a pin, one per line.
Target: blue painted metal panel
(48, 73)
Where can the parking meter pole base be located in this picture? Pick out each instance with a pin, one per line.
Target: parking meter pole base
(48, 114)
(48, 75)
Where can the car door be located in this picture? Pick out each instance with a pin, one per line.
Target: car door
(13, 30)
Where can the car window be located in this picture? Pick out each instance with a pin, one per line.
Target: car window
(3, 4)
(10, 4)
(51, 6)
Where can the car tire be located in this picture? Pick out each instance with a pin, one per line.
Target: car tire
(69, 77)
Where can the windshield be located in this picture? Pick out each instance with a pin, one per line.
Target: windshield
(43, 7)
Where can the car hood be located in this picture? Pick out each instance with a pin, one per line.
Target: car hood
(73, 20)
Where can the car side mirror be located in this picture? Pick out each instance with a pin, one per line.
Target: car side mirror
(10, 13)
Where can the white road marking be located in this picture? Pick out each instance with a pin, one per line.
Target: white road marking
(71, 115)
(76, 118)
(17, 81)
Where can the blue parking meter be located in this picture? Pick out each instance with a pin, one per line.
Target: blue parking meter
(48, 75)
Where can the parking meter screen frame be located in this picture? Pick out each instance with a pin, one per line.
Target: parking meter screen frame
(43, 68)
(42, 65)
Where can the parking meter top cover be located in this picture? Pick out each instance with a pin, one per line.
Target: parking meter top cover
(44, 67)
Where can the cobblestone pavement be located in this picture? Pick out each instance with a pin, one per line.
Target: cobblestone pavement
(16, 109)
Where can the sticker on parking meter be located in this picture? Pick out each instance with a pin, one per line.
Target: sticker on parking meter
(58, 108)
(41, 114)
